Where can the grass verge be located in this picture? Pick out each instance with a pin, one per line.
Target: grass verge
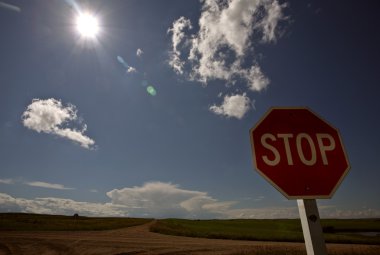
(284, 230)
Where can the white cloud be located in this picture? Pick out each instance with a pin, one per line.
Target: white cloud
(36, 184)
(164, 200)
(7, 181)
(292, 212)
(50, 116)
(336, 212)
(48, 185)
(158, 199)
(139, 52)
(233, 106)
(270, 21)
(263, 213)
(223, 46)
(257, 80)
(131, 70)
(51, 205)
(178, 36)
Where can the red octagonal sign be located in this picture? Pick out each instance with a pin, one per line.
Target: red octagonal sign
(299, 153)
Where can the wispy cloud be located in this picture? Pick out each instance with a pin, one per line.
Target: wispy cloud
(259, 198)
(52, 117)
(10, 7)
(48, 185)
(39, 184)
(233, 106)
(7, 181)
(263, 213)
(333, 211)
(224, 47)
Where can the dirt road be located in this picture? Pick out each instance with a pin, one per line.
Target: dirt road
(138, 240)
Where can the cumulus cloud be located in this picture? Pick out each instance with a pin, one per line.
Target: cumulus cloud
(270, 21)
(153, 199)
(224, 46)
(178, 36)
(158, 199)
(233, 106)
(52, 117)
(164, 200)
(48, 185)
(220, 48)
(139, 52)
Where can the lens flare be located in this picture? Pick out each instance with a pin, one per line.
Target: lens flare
(129, 69)
(122, 61)
(151, 90)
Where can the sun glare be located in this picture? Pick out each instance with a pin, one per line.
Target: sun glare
(87, 25)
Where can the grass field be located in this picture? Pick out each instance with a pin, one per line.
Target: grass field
(336, 231)
(40, 222)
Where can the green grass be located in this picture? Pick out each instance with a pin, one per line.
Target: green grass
(289, 230)
(40, 222)
(336, 231)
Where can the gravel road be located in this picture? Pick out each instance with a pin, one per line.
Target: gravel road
(139, 240)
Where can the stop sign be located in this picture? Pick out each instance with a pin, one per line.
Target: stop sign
(299, 153)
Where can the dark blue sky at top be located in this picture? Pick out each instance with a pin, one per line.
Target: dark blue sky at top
(326, 59)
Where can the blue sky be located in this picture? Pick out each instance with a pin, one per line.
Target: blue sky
(79, 133)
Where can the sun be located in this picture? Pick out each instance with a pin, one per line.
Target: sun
(87, 25)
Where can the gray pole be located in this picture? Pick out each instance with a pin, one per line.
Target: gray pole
(311, 227)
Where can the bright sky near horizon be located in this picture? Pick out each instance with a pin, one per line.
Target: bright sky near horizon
(148, 113)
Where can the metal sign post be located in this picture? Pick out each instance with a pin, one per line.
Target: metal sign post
(311, 227)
